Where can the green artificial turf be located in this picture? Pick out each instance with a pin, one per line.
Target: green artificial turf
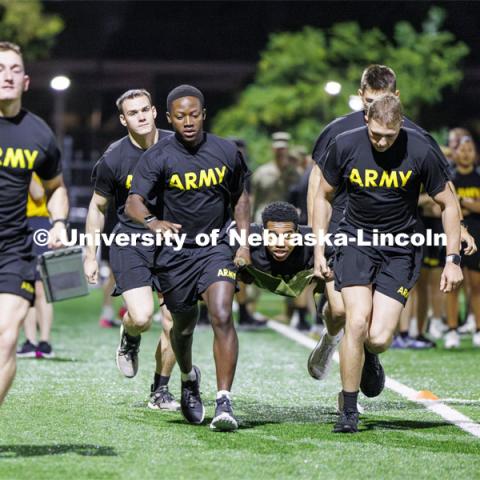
(75, 417)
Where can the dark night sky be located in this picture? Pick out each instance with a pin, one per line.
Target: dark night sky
(228, 30)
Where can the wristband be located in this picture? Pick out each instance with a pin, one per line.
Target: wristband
(63, 220)
(453, 258)
(148, 219)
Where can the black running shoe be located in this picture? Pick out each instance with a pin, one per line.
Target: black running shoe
(27, 350)
(347, 423)
(44, 350)
(426, 341)
(224, 420)
(373, 376)
(248, 322)
(127, 353)
(191, 402)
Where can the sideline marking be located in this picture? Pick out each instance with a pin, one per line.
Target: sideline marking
(447, 413)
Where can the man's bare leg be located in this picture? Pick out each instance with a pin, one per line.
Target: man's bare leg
(137, 319)
(12, 314)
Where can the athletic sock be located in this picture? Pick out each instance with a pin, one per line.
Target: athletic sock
(132, 338)
(221, 393)
(160, 381)
(242, 312)
(302, 313)
(350, 401)
(189, 377)
(404, 334)
(107, 312)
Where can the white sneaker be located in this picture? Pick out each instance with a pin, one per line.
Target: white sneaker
(320, 359)
(469, 326)
(436, 328)
(476, 339)
(452, 339)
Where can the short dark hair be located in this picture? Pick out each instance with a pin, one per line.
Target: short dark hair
(378, 77)
(184, 91)
(280, 212)
(129, 94)
(386, 109)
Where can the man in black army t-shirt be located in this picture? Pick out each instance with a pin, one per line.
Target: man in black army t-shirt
(383, 166)
(132, 265)
(200, 180)
(376, 80)
(26, 145)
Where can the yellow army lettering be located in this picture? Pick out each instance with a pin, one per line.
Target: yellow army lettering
(18, 158)
(128, 182)
(403, 292)
(206, 178)
(372, 178)
(225, 272)
(468, 192)
(27, 286)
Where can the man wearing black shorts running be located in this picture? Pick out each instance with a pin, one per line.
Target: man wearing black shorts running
(376, 80)
(383, 166)
(132, 264)
(27, 145)
(200, 180)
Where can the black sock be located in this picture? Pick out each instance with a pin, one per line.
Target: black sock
(404, 334)
(242, 312)
(302, 313)
(350, 401)
(160, 381)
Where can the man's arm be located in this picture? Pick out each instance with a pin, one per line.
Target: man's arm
(95, 223)
(57, 205)
(452, 274)
(241, 215)
(313, 183)
(322, 212)
(36, 191)
(136, 209)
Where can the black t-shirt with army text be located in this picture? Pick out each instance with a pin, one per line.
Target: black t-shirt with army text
(195, 185)
(349, 122)
(383, 187)
(113, 174)
(468, 186)
(27, 145)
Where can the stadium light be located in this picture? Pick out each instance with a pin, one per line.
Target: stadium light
(333, 88)
(355, 103)
(60, 83)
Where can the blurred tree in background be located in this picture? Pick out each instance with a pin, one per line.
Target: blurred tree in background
(288, 90)
(23, 22)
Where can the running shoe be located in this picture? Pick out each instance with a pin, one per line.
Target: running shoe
(224, 420)
(191, 402)
(127, 353)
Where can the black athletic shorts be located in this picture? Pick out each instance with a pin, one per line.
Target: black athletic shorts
(392, 271)
(133, 266)
(17, 268)
(39, 223)
(433, 256)
(185, 274)
(330, 249)
(472, 262)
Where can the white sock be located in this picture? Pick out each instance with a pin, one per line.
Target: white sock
(225, 393)
(189, 377)
(107, 312)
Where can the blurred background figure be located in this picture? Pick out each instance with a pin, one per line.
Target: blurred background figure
(40, 316)
(467, 185)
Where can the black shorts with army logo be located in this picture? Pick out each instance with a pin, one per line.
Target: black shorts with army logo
(17, 268)
(184, 275)
(391, 270)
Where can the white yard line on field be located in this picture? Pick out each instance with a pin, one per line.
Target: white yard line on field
(447, 413)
